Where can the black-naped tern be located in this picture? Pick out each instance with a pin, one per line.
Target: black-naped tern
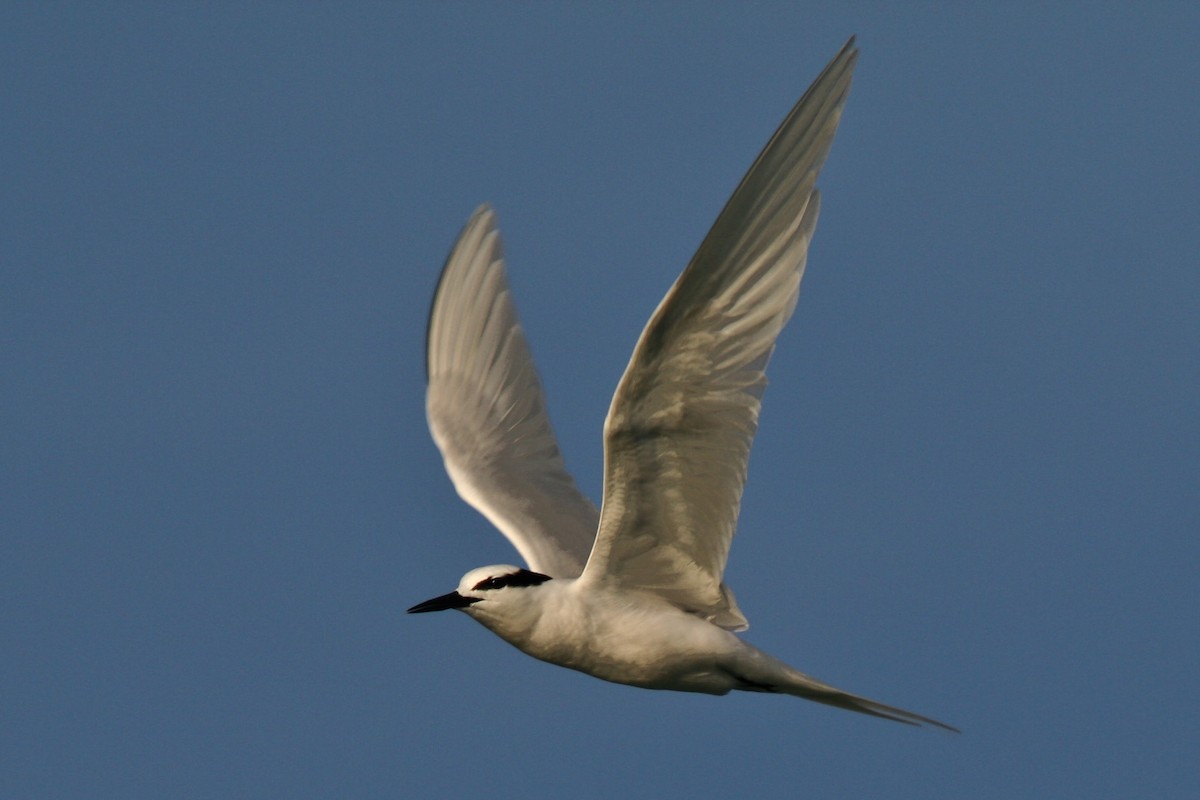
(633, 592)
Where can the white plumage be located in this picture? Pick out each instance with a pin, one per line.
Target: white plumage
(633, 593)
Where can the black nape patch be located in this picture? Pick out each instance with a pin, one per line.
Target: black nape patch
(521, 577)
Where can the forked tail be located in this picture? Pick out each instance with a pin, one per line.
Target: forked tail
(763, 673)
(821, 693)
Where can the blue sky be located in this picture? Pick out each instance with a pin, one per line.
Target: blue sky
(975, 492)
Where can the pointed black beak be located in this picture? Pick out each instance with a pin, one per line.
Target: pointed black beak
(452, 600)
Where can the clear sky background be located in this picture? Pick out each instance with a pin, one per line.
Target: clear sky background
(976, 490)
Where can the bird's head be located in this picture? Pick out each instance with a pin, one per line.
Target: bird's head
(485, 585)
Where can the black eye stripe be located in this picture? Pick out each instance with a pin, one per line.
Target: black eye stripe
(521, 577)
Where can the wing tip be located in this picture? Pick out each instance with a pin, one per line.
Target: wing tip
(484, 216)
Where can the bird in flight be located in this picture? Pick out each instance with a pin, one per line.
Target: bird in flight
(633, 593)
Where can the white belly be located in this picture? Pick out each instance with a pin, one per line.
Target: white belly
(633, 639)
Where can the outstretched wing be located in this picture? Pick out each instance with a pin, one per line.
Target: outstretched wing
(679, 430)
(487, 411)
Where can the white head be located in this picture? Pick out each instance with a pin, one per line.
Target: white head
(482, 587)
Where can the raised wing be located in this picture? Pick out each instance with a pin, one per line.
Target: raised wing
(684, 415)
(487, 411)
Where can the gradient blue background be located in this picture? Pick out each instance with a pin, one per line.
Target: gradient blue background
(976, 492)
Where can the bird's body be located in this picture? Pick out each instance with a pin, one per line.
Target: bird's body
(635, 638)
(633, 592)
